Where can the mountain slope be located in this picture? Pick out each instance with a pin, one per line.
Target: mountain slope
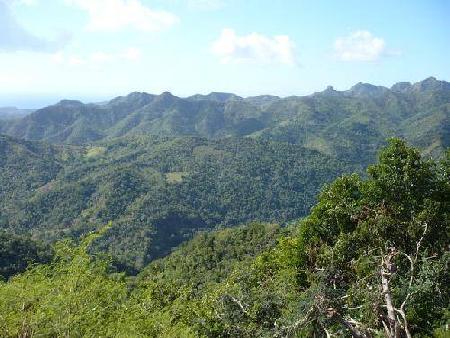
(350, 124)
(157, 191)
(370, 248)
(331, 267)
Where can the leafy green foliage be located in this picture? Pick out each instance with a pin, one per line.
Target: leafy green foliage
(76, 295)
(211, 256)
(328, 277)
(18, 252)
(157, 191)
(72, 296)
(368, 245)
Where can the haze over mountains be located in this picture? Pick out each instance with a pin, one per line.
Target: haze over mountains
(340, 123)
(13, 113)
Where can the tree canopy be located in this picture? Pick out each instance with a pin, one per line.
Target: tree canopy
(371, 259)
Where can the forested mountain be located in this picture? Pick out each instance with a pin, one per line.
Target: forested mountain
(211, 225)
(157, 191)
(138, 160)
(370, 260)
(351, 124)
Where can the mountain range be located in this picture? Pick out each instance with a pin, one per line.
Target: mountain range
(349, 124)
(222, 216)
(161, 167)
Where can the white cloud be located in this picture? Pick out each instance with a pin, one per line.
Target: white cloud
(14, 37)
(61, 58)
(101, 57)
(75, 60)
(13, 79)
(254, 48)
(360, 46)
(132, 54)
(58, 58)
(21, 2)
(114, 15)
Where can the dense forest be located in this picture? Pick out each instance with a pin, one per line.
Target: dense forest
(371, 259)
(162, 167)
(325, 215)
(157, 191)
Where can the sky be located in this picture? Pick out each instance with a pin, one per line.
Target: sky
(93, 50)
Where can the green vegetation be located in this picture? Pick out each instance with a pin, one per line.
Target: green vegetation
(93, 152)
(19, 252)
(211, 256)
(370, 260)
(174, 178)
(350, 124)
(157, 191)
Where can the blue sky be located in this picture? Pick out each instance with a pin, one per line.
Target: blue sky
(96, 49)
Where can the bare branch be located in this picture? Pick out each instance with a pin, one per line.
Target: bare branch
(386, 328)
(393, 323)
(386, 273)
(238, 302)
(286, 330)
(405, 322)
(354, 327)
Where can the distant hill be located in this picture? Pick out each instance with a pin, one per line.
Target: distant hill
(7, 113)
(351, 124)
(157, 191)
(163, 167)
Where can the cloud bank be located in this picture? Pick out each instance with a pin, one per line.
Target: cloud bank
(359, 46)
(254, 48)
(115, 15)
(206, 5)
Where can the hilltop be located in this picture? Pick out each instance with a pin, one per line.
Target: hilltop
(352, 124)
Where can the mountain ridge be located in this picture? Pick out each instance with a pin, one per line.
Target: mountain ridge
(330, 121)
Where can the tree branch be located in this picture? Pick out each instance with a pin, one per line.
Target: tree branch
(238, 302)
(386, 273)
(294, 326)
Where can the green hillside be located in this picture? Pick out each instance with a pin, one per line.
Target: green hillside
(371, 258)
(350, 124)
(175, 179)
(157, 191)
